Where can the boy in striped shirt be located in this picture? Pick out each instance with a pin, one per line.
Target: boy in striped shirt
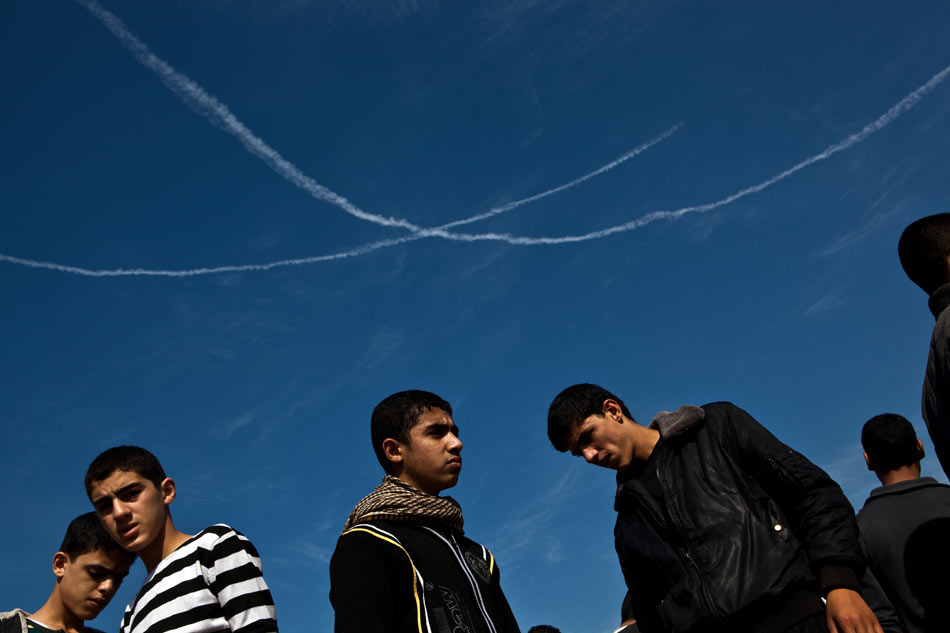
(208, 582)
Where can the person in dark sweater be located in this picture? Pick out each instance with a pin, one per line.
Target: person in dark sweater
(89, 568)
(403, 562)
(720, 527)
(905, 524)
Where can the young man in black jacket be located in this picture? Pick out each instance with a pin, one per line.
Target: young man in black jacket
(720, 527)
(402, 563)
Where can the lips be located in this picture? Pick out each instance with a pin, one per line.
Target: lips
(455, 463)
(128, 532)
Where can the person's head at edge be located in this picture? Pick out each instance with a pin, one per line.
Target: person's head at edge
(924, 251)
(89, 568)
(416, 440)
(891, 448)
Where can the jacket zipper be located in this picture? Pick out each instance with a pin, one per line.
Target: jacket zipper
(703, 588)
(457, 551)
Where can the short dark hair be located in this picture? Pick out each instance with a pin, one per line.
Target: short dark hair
(85, 534)
(890, 442)
(396, 414)
(574, 405)
(131, 459)
(923, 250)
(544, 628)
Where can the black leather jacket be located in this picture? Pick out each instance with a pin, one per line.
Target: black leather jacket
(744, 522)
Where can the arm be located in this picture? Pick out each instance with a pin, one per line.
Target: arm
(366, 577)
(236, 579)
(508, 623)
(818, 513)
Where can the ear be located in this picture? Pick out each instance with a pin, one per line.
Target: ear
(167, 488)
(612, 410)
(59, 564)
(920, 450)
(392, 449)
(867, 460)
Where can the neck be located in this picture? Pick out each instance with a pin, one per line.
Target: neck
(643, 447)
(904, 473)
(55, 615)
(167, 542)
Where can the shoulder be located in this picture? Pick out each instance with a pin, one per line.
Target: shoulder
(382, 535)
(221, 541)
(13, 615)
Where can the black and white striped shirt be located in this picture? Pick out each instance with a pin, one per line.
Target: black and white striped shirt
(211, 583)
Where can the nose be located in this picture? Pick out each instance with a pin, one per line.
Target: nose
(455, 444)
(120, 508)
(108, 587)
(590, 454)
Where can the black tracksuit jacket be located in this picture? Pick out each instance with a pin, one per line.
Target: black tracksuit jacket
(402, 577)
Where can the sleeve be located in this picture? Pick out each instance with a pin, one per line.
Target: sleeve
(818, 512)
(508, 623)
(874, 595)
(236, 579)
(367, 576)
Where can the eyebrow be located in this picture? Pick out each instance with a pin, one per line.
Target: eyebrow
(126, 488)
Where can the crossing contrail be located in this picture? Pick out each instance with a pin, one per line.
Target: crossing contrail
(209, 107)
(895, 111)
(882, 121)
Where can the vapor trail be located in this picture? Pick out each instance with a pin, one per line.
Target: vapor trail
(195, 272)
(218, 113)
(550, 192)
(882, 121)
(209, 107)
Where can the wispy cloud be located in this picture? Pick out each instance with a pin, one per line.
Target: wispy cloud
(851, 473)
(236, 424)
(832, 301)
(859, 234)
(523, 529)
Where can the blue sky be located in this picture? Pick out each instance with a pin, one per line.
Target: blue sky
(142, 196)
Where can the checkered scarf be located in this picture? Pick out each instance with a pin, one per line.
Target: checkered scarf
(395, 500)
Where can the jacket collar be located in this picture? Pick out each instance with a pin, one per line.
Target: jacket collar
(939, 300)
(672, 424)
(903, 486)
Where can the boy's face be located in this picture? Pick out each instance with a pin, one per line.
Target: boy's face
(131, 509)
(87, 583)
(603, 440)
(431, 459)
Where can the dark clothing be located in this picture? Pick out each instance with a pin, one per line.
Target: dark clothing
(905, 534)
(935, 403)
(15, 622)
(746, 534)
(401, 577)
